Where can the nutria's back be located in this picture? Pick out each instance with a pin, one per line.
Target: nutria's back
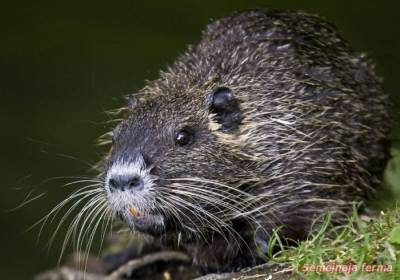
(269, 121)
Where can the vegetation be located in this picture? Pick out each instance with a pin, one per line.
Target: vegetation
(366, 243)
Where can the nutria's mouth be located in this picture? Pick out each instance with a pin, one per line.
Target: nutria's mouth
(143, 221)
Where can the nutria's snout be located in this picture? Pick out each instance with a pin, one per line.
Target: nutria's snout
(128, 175)
(128, 185)
(125, 182)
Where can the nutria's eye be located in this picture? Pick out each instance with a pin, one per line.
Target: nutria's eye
(183, 137)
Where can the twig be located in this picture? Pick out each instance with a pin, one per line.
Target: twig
(135, 264)
(66, 273)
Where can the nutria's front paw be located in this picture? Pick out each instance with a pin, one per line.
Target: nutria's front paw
(113, 261)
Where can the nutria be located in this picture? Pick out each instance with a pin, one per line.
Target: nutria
(271, 120)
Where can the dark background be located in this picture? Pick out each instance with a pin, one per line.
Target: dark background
(63, 64)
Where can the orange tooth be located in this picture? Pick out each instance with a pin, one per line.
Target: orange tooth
(134, 212)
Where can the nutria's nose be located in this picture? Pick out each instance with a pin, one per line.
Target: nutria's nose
(126, 182)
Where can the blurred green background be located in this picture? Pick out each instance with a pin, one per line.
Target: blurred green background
(63, 63)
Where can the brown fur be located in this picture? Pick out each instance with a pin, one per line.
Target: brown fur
(313, 137)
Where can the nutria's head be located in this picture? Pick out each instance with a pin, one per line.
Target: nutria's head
(167, 169)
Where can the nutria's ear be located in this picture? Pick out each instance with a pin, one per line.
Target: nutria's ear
(226, 108)
(132, 101)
